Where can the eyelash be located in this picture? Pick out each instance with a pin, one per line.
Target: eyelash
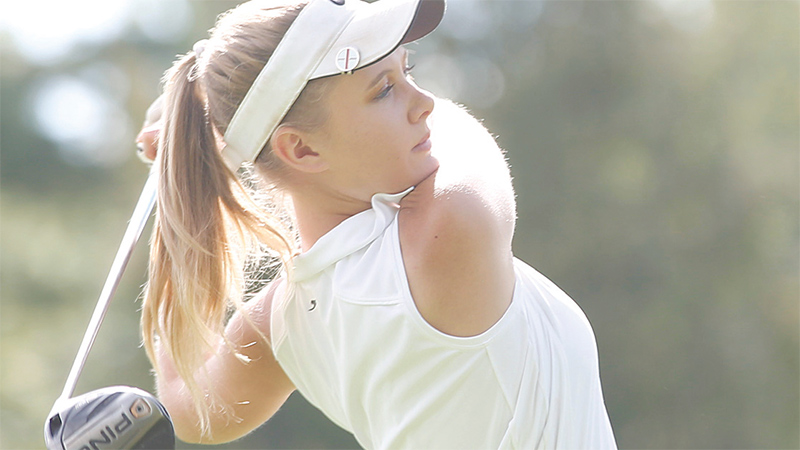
(388, 88)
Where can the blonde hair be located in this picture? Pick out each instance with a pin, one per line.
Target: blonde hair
(207, 222)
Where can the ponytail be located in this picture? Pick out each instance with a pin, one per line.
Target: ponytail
(205, 224)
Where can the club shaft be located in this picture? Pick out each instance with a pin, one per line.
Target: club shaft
(141, 214)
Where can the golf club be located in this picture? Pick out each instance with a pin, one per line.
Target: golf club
(118, 417)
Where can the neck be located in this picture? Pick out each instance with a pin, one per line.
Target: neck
(318, 210)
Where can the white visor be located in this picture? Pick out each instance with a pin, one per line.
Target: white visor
(328, 37)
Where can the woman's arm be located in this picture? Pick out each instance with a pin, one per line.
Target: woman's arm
(250, 392)
(456, 228)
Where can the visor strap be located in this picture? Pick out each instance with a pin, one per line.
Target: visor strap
(280, 82)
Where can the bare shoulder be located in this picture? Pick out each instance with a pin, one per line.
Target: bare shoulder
(456, 229)
(258, 310)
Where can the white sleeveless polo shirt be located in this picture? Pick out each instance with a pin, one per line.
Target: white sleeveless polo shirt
(350, 338)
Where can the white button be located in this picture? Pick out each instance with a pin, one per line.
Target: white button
(347, 59)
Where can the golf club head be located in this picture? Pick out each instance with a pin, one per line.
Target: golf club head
(117, 417)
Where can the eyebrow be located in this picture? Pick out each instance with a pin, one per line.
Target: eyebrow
(387, 71)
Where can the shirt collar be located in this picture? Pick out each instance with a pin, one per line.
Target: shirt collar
(353, 234)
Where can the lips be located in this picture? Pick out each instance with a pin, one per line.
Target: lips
(424, 144)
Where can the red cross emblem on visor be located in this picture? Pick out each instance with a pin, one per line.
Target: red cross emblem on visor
(347, 59)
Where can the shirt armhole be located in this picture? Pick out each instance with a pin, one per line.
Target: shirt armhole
(478, 340)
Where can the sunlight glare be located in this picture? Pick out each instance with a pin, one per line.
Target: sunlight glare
(45, 31)
(87, 127)
(688, 15)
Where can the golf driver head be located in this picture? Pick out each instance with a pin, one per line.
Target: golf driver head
(117, 417)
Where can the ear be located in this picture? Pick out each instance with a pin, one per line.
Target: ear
(291, 147)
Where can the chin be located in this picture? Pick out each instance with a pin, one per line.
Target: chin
(428, 171)
(413, 176)
(431, 167)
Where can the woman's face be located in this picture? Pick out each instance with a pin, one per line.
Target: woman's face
(376, 138)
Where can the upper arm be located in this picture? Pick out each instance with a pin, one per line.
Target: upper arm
(244, 378)
(456, 229)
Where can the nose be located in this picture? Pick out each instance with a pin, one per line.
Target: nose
(422, 105)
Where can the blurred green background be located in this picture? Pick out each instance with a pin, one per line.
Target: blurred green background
(655, 150)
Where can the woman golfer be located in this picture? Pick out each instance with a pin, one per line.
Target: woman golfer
(400, 311)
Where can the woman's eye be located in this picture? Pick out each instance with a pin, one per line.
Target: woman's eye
(385, 91)
(389, 86)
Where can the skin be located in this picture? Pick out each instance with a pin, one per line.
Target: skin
(375, 140)
(455, 226)
(147, 139)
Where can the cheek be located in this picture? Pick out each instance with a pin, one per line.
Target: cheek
(371, 141)
(368, 136)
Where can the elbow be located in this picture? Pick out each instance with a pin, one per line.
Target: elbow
(188, 429)
(221, 427)
(185, 422)
(190, 435)
(193, 435)
(185, 419)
